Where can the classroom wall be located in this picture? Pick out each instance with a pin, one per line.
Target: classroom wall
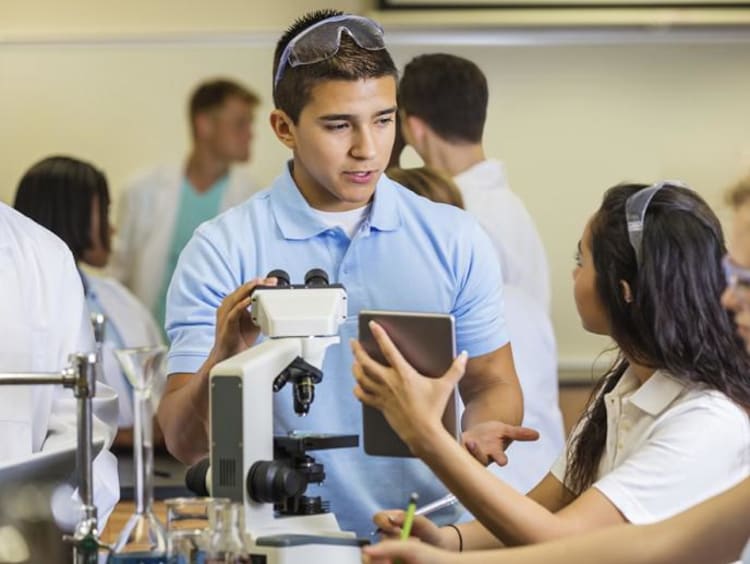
(569, 117)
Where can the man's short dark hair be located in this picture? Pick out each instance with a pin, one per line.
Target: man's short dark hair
(351, 62)
(214, 93)
(449, 93)
(58, 192)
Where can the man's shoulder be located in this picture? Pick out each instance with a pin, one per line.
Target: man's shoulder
(249, 212)
(154, 178)
(416, 207)
(29, 236)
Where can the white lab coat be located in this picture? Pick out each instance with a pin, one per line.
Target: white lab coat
(43, 319)
(535, 358)
(146, 217)
(129, 325)
(503, 216)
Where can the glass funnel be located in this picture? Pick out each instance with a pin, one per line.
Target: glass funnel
(143, 539)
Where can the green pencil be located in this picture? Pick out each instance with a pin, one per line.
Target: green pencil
(409, 519)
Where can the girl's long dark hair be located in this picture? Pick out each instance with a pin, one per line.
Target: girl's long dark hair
(57, 193)
(675, 321)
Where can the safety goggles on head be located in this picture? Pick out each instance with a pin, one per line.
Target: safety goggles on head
(635, 213)
(322, 40)
(736, 275)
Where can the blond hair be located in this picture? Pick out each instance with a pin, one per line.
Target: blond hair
(739, 193)
(429, 183)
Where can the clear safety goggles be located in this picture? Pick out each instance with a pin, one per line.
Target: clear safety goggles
(322, 40)
(737, 276)
(635, 213)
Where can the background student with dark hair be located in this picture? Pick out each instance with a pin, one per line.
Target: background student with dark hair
(160, 209)
(649, 274)
(71, 199)
(332, 208)
(443, 107)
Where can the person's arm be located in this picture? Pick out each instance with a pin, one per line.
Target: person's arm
(713, 532)
(183, 409)
(412, 404)
(494, 406)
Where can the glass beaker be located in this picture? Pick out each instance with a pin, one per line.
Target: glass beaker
(189, 522)
(225, 543)
(143, 539)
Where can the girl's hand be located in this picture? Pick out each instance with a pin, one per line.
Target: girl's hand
(407, 552)
(413, 404)
(389, 524)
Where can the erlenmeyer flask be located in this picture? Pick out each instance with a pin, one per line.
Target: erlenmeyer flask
(143, 539)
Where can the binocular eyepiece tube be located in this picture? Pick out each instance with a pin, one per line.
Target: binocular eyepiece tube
(314, 278)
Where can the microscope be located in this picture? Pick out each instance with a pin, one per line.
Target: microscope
(267, 474)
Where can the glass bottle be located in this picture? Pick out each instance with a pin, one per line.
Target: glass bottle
(225, 540)
(143, 540)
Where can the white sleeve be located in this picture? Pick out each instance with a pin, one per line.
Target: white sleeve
(76, 336)
(696, 452)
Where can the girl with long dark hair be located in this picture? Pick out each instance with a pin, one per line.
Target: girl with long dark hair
(666, 428)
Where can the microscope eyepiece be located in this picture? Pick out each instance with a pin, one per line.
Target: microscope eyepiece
(316, 278)
(281, 275)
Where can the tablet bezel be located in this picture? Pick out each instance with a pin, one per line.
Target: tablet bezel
(428, 342)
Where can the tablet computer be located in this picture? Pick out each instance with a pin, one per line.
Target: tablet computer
(427, 341)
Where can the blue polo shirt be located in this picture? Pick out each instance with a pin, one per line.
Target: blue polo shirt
(410, 254)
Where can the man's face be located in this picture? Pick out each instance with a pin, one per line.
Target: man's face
(227, 130)
(342, 141)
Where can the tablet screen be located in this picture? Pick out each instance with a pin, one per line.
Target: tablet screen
(427, 341)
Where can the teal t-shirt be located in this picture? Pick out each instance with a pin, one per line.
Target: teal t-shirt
(194, 208)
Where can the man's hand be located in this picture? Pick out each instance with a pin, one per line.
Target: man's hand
(487, 441)
(235, 330)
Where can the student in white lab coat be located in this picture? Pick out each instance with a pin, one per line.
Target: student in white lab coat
(443, 105)
(43, 319)
(161, 208)
(534, 353)
(70, 198)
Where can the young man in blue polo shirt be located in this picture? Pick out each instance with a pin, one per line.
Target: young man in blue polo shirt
(332, 208)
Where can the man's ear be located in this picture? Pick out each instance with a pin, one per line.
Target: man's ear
(284, 128)
(627, 293)
(414, 130)
(203, 124)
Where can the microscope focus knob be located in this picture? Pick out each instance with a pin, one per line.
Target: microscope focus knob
(273, 481)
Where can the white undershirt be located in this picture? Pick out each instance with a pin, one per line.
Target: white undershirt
(350, 221)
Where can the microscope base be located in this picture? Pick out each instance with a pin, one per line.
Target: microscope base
(304, 549)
